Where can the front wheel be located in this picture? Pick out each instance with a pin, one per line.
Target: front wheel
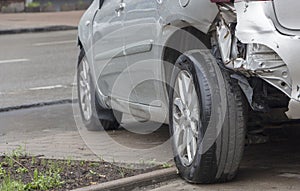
(207, 121)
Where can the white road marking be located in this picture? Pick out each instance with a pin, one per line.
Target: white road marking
(290, 175)
(48, 87)
(35, 89)
(14, 61)
(55, 43)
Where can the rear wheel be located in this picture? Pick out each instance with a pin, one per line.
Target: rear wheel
(207, 147)
(94, 116)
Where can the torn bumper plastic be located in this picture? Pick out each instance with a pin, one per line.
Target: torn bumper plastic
(256, 27)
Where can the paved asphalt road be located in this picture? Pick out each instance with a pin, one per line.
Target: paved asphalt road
(37, 67)
(40, 67)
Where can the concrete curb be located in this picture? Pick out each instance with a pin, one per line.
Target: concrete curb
(130, 183)
(38, 29)
(37, 105)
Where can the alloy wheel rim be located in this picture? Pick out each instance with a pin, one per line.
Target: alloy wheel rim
(186, 118)
(85, 90)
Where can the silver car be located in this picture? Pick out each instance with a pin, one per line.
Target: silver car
(211, 70)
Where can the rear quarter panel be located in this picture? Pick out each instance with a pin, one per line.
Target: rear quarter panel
(198, 13)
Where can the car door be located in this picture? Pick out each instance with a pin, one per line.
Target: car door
(108, 51)
(140, 35)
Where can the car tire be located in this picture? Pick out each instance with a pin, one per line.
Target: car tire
(219, 162)
(94, 117)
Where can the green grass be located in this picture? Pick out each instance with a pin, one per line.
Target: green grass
(18, 152)
(122, 171)
(46, 180)
(33, 4)
(2, 171)
(8, 185)
(94, 164)
(167, 165)
(40, 180)
(22, 170)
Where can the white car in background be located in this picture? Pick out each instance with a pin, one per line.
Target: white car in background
(206, 68)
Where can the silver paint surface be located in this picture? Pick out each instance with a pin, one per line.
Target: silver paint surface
(125, 38)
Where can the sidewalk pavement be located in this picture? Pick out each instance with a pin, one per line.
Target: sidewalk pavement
(32, 22)
(57, 132)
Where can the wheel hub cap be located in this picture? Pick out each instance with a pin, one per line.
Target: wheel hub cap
(85, 90)
(186, 118)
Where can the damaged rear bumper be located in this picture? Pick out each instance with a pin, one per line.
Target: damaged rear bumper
(255, 26)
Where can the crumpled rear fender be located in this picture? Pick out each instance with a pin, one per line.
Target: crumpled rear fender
(255, 26)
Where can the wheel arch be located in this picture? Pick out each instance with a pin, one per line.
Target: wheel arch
(79, 43)
(178, 42)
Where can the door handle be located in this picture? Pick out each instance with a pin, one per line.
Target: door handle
(121, 8)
